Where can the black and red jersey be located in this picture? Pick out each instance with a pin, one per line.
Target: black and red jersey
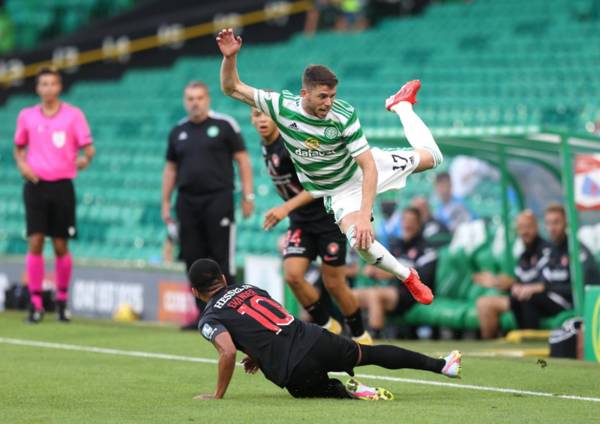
(282, 173)
(261, 328)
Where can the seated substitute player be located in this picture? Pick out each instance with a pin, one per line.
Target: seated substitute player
(332, 156)
(290, 353)
(312, 232)
(527, 271)
(553, 293)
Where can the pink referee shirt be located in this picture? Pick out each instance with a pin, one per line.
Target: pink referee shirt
(53, 142)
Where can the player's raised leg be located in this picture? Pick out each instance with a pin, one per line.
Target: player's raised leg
(376, 254)
(430, 156)
(417, 133)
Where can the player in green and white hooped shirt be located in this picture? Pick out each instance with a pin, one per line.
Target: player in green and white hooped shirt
(327, 146)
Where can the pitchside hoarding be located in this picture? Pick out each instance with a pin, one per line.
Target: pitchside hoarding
(592, 323)
(155, 294)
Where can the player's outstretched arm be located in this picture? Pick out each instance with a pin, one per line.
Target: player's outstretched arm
(224, 345)
(231, 85)
(278, 213)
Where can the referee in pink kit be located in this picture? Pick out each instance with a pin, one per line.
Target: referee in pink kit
(47, 143)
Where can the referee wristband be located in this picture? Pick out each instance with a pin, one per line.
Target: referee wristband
(249, 197)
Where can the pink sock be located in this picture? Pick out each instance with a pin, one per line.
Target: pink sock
(35, 277)
(64, 266)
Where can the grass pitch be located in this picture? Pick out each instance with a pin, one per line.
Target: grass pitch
(58, 382)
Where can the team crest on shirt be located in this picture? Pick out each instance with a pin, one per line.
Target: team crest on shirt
(275, 160)
(182, 136)
(59, 139)
(332, 133)
(212, 131)
(312, 143)
(333, 248)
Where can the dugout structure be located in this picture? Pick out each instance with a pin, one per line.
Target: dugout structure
(553, 151)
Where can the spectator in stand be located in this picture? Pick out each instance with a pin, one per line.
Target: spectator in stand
(436, 233)
(353, 15)
(451, 211)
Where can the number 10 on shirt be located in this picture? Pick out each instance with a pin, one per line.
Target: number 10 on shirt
(265, 316)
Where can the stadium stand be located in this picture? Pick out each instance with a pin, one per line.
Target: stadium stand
(461, 66)
(34, 20)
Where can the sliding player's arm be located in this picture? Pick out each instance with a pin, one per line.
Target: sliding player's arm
(231, 85)
(227, 350)
(278, 213)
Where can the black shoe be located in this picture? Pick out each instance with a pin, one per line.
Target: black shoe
(192, 326)
(63, 313)
(35, 316)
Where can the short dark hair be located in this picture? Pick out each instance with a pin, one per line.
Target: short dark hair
(47, 70)
(413, 210)
(556, 208)
(318, 75)
(204, 274)
(442, 176)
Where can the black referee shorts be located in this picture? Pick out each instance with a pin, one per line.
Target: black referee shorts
(329, 353)
(207, 229)
(50, 208)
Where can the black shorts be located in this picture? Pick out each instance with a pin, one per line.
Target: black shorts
(50, 208)
(329, 353)
(207, 229)
(307, 241)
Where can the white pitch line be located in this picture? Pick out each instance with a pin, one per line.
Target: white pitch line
(93, 349)
(151, 355)
(480, 388)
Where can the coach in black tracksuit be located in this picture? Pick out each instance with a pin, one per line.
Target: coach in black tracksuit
(552, 293)
(199, 163)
